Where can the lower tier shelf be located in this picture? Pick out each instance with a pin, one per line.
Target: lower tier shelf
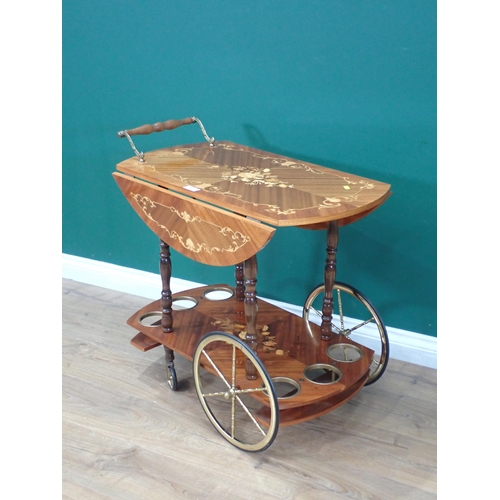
(290, 348)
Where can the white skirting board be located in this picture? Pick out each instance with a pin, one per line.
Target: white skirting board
(404, 345)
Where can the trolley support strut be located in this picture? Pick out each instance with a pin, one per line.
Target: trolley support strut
(330, 272)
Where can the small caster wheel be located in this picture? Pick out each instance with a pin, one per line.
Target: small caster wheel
(171, 378)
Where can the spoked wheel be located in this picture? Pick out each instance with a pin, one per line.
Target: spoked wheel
(245, 412)
(368, 330)
(171, 378)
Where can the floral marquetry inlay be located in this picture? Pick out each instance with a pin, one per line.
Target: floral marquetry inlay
(254, 176)
(178, 223)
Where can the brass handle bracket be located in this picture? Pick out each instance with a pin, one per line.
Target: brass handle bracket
(210, 140)
(124, 133)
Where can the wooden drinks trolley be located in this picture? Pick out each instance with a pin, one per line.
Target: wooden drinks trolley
(256, 367)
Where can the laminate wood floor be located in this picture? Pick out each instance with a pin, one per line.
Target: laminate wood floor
(126, 435)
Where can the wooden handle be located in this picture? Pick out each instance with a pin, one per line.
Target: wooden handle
(156, 127)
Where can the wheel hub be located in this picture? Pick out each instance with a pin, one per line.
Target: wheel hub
(230, 394)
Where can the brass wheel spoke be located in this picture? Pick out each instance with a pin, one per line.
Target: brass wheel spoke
(217, 369)
(247, 411)
(341, 314)
(345, 354)
(246, 391)
(316, 311)
(214, 394)
(361, 324)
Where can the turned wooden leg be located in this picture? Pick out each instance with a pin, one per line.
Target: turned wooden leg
(330, 271)
(169, 356)
(251, 307)
(166, 293)
(240, 294)
(240, 282)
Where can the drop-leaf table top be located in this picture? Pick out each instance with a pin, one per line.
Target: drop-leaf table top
(270, 188)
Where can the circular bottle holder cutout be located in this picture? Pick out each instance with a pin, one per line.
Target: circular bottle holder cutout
(151, 319)
(345, 353)
(218, 293)
(323, 374)
(285, 388)
(183, 303)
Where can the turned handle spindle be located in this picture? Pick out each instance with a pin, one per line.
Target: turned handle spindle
(157, 127)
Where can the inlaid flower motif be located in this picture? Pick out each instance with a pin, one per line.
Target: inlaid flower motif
(332, 200)
(190, 245)
(253, 176)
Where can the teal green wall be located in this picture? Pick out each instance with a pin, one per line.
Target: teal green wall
(348, 84)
